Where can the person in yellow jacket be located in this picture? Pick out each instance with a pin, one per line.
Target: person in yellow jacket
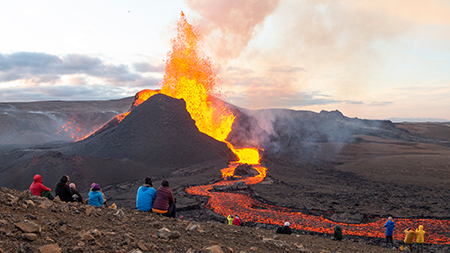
(419, 238)
(230, 219)
(409, 238)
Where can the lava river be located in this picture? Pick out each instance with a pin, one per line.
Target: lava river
(250, 210)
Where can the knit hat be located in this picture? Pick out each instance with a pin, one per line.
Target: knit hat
(96, 187)
(72, 186)
(287, 224)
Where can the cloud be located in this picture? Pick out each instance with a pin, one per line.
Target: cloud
(62, 92)
(144, 67)
(32, 67)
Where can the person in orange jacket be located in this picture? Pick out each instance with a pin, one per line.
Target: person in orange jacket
(409, 238)
(419, 238)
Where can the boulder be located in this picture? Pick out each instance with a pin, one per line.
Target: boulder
(27, 227)
(50, 248)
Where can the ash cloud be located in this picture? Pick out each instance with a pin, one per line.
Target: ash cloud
(335, 43)
(231, 24)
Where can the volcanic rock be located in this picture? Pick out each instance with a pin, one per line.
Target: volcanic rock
(245, 170)
(238, 186)
(27, 227)
(50, 248)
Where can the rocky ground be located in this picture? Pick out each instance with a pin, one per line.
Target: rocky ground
(34, 224)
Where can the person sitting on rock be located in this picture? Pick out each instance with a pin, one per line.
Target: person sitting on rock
(95, 196)
(164, 202)
(145, 196)
(389, 225)
(103, 195)
(63, 190)
(419, 238)
(236, 221)
(38, 188)
(284, 229)
(337, 233)
(230, 219)
(76, 194)
(409, 238)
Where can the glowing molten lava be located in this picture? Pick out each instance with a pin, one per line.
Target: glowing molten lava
(75, 129)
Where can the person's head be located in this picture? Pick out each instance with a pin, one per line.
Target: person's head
(64, 179)
(390, 218)
(337, 227)
(165, 183)
(148, 180)
(231, 216)
(237, 217)
(287, 224)
(72, 186)
(96, 187)
(37, 178)
(420, 227)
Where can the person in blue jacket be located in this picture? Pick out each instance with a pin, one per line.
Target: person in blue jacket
(145, 196)
(390, 225)
(95, 196)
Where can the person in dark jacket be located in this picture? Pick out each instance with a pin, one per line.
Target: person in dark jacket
(285, 229)
(145, 196)
(38, 188)
(337, 233)
(389, 225)
(164, 202)
(63, 190)
(76, 194)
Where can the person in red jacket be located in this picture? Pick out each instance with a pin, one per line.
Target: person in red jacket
(164, 202)
(236, 221)
(38, 188)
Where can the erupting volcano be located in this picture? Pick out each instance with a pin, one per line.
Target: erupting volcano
(190, 75)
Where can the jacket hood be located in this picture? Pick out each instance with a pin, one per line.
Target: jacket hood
(37, 179)
(420, 228)
(64, 179)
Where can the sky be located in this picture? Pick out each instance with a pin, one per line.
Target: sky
(384, 59)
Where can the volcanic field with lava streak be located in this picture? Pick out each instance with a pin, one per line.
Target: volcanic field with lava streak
(189, 75)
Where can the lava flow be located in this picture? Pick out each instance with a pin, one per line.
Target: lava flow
(250, 210)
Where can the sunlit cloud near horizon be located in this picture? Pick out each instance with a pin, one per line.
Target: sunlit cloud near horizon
(368, 59)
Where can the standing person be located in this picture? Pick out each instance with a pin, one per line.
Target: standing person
(419, 238)
(338, 233)
(409, 238)
(230, 219)
(76, 194)
(95, 196)
(38, 188)
(164, 202)
(63, 190)
(389, 225)
(285, 229)
(145, 196)
(236, 221)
